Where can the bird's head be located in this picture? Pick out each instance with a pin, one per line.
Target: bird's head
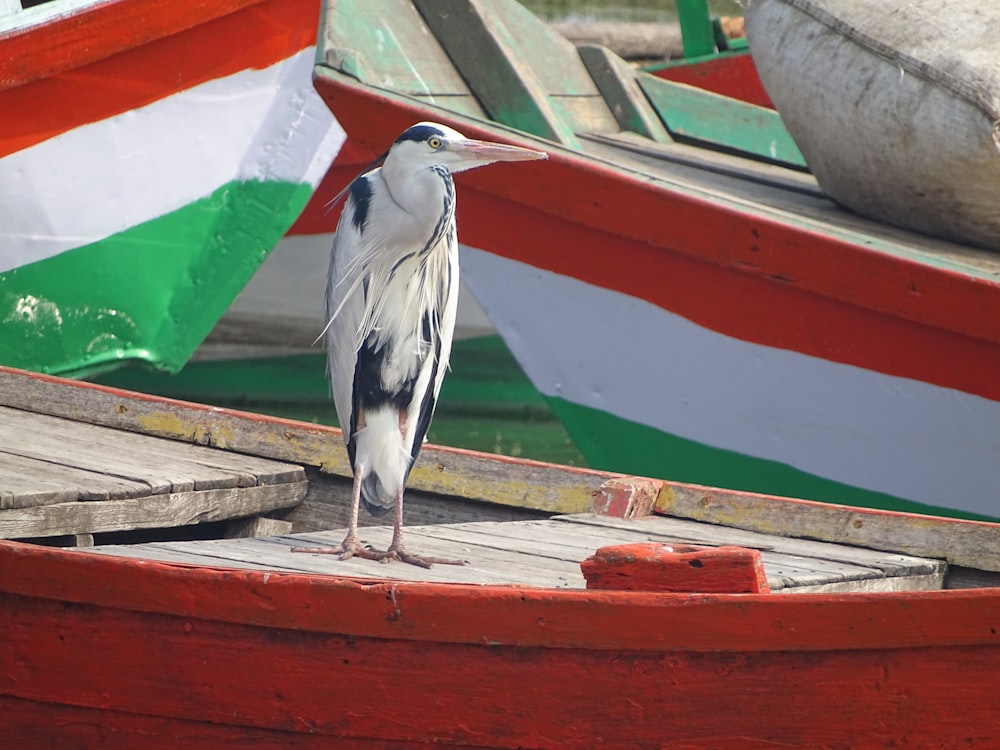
(429, 144)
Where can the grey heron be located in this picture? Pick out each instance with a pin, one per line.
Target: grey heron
(391, 301)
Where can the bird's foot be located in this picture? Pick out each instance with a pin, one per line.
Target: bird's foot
(350, 547)
(398, 552)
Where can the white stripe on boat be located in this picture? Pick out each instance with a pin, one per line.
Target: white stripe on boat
(627, 357)
(102, 178)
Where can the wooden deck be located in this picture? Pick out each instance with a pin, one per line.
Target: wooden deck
(548, 553)
(60, 477)
(89, 467)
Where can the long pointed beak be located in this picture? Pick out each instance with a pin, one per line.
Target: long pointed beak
(478, 153)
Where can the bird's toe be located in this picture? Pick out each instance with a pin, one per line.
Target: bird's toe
(421, 561)
(350, 547)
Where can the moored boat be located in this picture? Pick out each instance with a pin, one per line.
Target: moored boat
(150, 159)
(715, 58)
(879, 628)
(690, 302)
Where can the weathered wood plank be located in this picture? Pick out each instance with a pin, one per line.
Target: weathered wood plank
(257, 526)
(188, 555)
(870, 585)
(48, 460)
(328, 502)
(408, 59)
(616, 80)
(484, 565)
(439, 470)
(507, 89)
(537, 553)
(81, 446)
(28, 482)
(767, 190)
(579, 539)
(970, 544)
(476, 477)
(156, 511)
(711, 172)
(174, 466)
(631, 40)
(705, 117)
(659, 528)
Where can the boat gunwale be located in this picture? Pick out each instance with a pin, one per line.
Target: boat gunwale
(87, 33)
(501, 615)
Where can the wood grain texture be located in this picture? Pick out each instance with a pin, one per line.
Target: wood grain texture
(616, 81)
(549, 553)
(327, 505)
(28, 482)
(506, 88)
(972, 544)
(482, 695)
(256, 526)
(26, 723)
(474, 477)
(627, 497)
(152, 512)
(444, 471)
(45, 459)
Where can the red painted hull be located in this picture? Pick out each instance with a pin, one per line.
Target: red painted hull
(71, 70)
(732, 75)
(109, 652)
(772, 282)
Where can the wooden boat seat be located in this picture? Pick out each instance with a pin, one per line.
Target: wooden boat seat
(59, 477)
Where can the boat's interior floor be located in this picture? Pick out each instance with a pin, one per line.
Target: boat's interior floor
(548, 553)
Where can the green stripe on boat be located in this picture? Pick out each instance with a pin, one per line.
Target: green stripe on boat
(616, 444)
(149, 293)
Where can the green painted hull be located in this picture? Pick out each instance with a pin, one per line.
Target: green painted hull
(150, 293)
(616, 444)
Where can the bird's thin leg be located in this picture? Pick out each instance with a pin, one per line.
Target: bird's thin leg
(396, 549)
(351, 546)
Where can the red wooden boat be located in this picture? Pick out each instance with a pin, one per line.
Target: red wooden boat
(689, 301)
(134, 647)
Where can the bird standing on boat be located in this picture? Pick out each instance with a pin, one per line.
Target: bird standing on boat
(391, 302)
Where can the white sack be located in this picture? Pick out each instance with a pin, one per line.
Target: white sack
(895, 105)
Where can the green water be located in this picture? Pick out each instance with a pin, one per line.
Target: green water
(487, 403)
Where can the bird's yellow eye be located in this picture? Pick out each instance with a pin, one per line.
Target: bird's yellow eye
(434, 142)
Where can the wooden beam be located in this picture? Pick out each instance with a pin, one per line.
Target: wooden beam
(696, 115)
(507, 89)
(244, 528)
(440, 470)
(971, 544)
(615, 80)
(154, 512)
